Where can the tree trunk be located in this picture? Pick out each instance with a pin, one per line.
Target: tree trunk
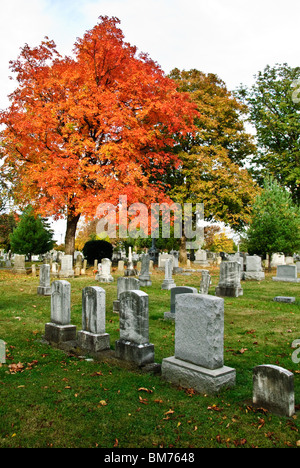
(182, 251)
(72, 222)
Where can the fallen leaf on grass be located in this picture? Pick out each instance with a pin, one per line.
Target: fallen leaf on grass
(14, 368)
(142, 389)
(102, 403)
(143, 400)
(214, 408)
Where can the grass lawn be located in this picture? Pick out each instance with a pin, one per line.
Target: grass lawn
(49, 398)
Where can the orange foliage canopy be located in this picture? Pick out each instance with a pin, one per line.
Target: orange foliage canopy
(81, 131)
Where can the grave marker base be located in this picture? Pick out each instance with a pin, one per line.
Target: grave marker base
(44, 290)
(59, 333)
(228, 291)
(188, 375)
(93, 342)
(139, 354)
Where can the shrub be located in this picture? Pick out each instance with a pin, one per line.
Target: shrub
(96, 250)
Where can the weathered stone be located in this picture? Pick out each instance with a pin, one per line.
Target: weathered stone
(19, 265)
(168, 282)
(93, 337)
(104, 274)
(133, 344)
(124, 283)
(144, 276)
(66, 270)
(273, 389)
(174, 291)
(254, 269)
(205, 282)
(60, 329)
(130, 271)
(44, 289)
(229, 282)
(201, 257)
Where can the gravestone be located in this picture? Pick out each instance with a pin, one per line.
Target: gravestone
(133, 345)
(229, 282)
(83, 269)
(54, 270)
(2, 352)
(201, 257)
(121, 266)
(285, 299)
(162, 258)
(44, 289)
(205, 282)
(66, 270)
(273, 389)
(105, 275)
(168, 282)
(60, 328)
(93, 337)
(298, 267)
(286, 273)
(33, 270)
(198, 362)
(254, 269)
(130, 271)
(144, 276)
(124, 283)
(277, 259)
(19, 265)
(174, 291)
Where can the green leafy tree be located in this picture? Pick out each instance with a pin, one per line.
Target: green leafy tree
(212, 168)
(32, 235)
(275, 225)
(274, 107)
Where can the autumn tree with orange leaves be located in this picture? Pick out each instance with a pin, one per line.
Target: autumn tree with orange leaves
(82, 130)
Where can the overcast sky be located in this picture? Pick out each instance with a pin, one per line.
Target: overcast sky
(231, 38)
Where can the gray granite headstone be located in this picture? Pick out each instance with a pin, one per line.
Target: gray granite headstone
(286, 299)
(174, 291)
(287, 273)
(199, 334)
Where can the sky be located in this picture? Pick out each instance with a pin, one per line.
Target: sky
(235, 39)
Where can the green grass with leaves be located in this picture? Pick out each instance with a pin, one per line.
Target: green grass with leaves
(49, 398)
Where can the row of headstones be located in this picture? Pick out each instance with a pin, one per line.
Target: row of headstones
(198, 361)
